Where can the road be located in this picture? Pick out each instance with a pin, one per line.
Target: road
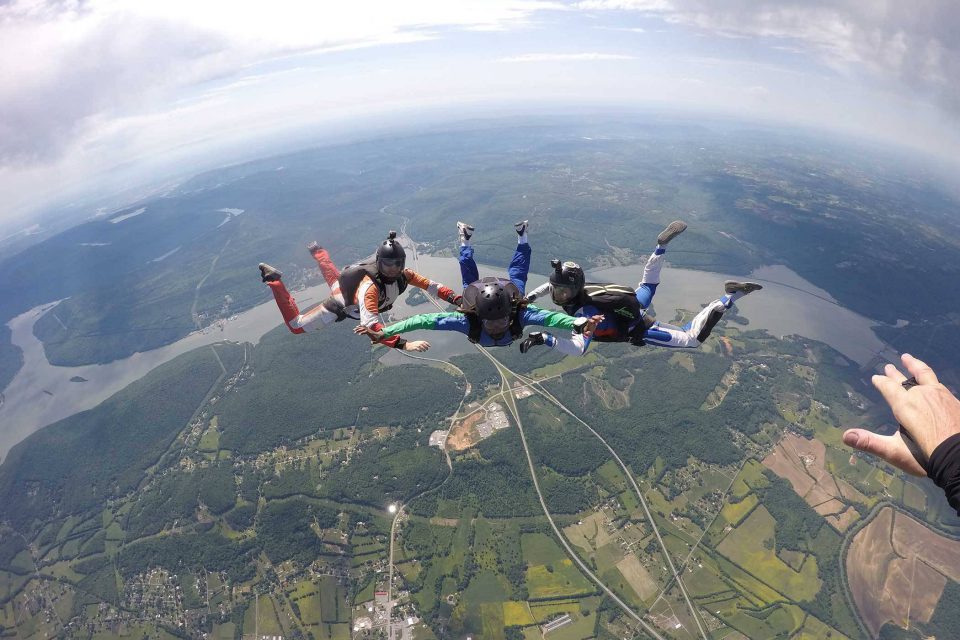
(505, 376)
(643, 503)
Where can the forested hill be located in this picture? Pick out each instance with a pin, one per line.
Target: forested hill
(74, 465)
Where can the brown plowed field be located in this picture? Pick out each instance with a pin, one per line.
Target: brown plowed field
(801, 462)
(897, 569)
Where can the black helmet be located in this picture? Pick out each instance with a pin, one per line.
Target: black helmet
(494, 302)
(494, 307)
(567, 280)
(391, 258)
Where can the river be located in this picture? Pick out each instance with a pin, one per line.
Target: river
(42, 393)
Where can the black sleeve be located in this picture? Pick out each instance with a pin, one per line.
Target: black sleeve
(945, 469)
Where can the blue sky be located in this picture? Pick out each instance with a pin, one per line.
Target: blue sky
(105, 93)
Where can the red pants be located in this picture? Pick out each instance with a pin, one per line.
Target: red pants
(318, 316)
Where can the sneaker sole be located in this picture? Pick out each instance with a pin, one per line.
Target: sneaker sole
(274, 275)
(673, 229)
(732, 286)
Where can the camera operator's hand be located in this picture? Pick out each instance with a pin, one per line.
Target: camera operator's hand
(928, 411)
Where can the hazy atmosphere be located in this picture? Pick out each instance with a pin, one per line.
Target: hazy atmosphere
(112, 94)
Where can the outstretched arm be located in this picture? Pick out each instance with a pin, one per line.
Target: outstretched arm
(545, 289)
(533, 315)
(435, 289)
(453, 321)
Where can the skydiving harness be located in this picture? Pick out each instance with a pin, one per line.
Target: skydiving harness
(350, 279)
(618, 303)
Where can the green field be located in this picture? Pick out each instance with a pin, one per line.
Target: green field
(610, 477)
(539, 548)
(262, 617)
(517, 614)
(734, 512)
(750, 546)
(210, 441)
(308, 601)
(136, 631)
(366, 594)
(549, 572)
(480, 609)
(558, 579)
(334, 632)
(332, 601)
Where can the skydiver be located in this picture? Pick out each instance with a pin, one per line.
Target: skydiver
(361, 291)
(930, 414)
(493, 311)
(624, 309)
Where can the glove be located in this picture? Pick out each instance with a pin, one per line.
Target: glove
(449, 295)
(579, 324)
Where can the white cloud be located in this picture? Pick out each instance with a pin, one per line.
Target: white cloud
(915, 43)
(66, 66)
(625, 5)
(108, 90)
(624, 29)
(566, 57)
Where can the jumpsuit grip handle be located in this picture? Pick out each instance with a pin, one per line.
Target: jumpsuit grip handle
(908, 439)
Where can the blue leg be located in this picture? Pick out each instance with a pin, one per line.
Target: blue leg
(520, 266)
(645, 294)
(468, 267)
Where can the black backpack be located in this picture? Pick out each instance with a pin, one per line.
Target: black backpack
(618, 304)
(612, 300)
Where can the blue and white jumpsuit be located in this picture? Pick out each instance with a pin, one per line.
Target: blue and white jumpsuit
(659, 333)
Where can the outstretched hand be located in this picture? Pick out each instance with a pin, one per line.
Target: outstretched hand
(416, 345)
(591, 325)
(928, 411)
(374, 335)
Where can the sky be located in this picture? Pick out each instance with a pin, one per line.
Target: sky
(96, 95)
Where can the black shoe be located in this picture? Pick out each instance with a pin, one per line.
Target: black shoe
(270, 274)
(314, 248)
(673, 229)
(732, 286)
(532, 340)
(521, 227)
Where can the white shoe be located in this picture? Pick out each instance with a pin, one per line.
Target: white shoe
(465, 232)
